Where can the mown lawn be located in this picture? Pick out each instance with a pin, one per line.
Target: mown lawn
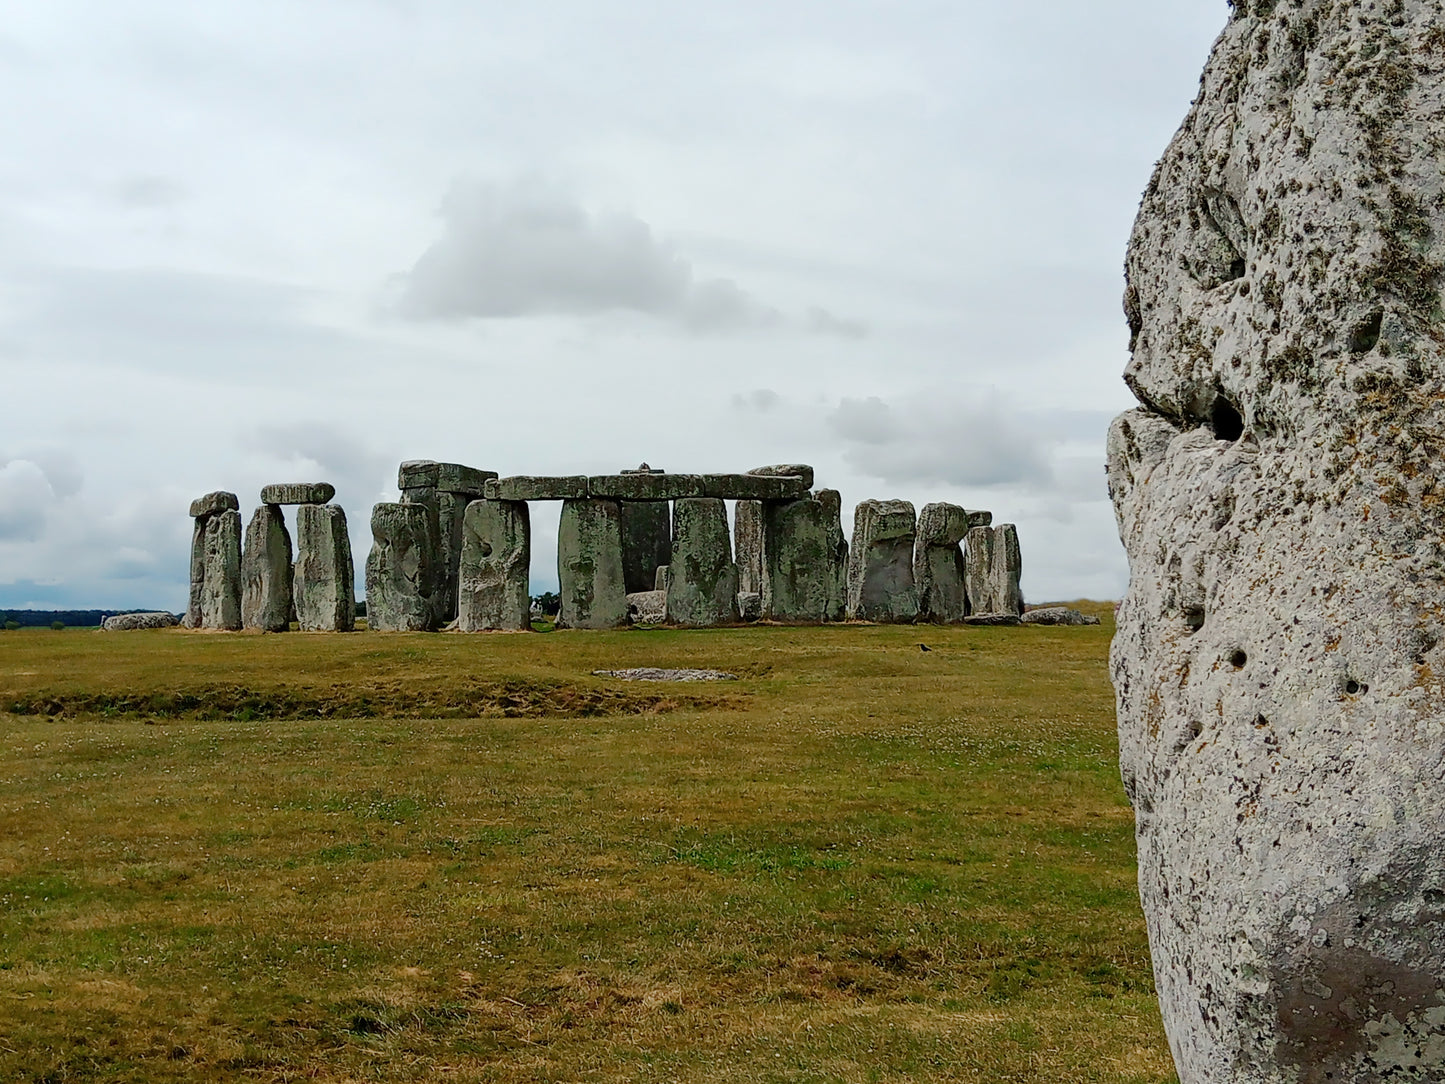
(463, 858)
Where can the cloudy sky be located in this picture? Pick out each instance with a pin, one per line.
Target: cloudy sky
(260, 242)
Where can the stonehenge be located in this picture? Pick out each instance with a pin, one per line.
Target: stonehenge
(1277, 665)
(992, 567)
(638, 547)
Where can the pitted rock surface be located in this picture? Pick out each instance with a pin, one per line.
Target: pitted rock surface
(1279, 656)
(938, 569)
(992, 565)
(804, 559)
(401, 569)
(266, 572)
(133, 622)
(323, 583)
(702, 581)
(647, 607)
(589, 565)
(880, 562)
(297, 493)
(1058, 615)
(211, 503)
(220, 594)
(495, 563)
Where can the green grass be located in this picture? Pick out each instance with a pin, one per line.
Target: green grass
(860, 862)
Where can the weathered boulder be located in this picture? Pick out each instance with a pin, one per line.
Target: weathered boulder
(646, 542)
(659, 582)
(589, 565)
(938, 570)
(297, 493)
(521, 487)
(211, 503)
(496, 559)
(132, 622)
(804, 559)
(1279, 652)
(1003, 619)
(702, 581)
(324, 584)
(750, 606)
(446, 477)
(992, 566)
(880, 563)
(787, 470)
(748, 544)
(220, 603)
(1057, 615)
(400, 569)
(647, 607)
(266, 572)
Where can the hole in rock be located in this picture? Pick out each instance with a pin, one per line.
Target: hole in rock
(1238, 659)
(1236, 269)
(1194, 618)
(1225, 419)
(1352, 687)
(1366, 336)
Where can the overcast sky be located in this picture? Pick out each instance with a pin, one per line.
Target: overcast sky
(264, 242)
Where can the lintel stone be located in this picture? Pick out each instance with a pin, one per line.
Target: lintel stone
(756, 487)
(297, 493)
(211, 503)
(636, 486)
(524, 487)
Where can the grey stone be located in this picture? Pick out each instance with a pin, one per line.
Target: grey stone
(418, 474)
(445, 512)
(647, 607)
(1058, 615)
(645, 469)
(133, 622)
(992, 566)
(220, 604)
(659, 582)
(1005, 619)
(805, 559)
(589, 565)
(653, 486)
(192, 620)
(979, 519)
(1279, 655)
(400, 569)
(702, 581)
(938, 568)
(754, 487)
(496, 561)
(945, 524)
(266, 572)
(880, 563)
(211, 503)
(444, 477)
(651, 673)
(537, 488)
(298, 493)
(748, 544)
(750, 606)
(790, 470)
(646, 542)
(324, 584)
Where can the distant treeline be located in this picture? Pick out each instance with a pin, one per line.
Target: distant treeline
(68, 618)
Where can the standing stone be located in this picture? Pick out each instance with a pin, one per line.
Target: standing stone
(1279, 655)
(496, 559)
(445, 489)
(938, 569)
(400, 569)
(589, 565)
(748, 545)
(220, 605)
(880, 563)
(266, 572)
(992, 566)
(646, 536)
(325, 578)
(805, 559)
(202, 509)
(702, 581)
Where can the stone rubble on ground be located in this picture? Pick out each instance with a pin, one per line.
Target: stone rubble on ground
(647, 673)
(137, 621)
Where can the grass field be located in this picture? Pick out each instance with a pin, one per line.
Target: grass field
(462, 858)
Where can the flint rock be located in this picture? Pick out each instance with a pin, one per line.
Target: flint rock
(589, 565)
(1058, 615)
(400, 569)
(496, 559)
(1279, 652)
(298, 493)
(520, 487)
(211, 503)
(266, 572)
(702, 581)
(992, 566)
(938, 569)
(647, 607)
(804, 559)
(133, 622)
(880, 563)
(324, 582)
(220, 602)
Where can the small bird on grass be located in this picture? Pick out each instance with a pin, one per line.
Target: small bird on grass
(924, 647)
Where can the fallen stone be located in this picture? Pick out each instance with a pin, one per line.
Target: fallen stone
(646, 542)
(992, 567)
(750, 606)
(748, 544)
(496, 560)
(702, 581)
(589, 565)
(266, 572)
(805, 559)
(537, 488)
(647, 607)
(324, 584)
(880, 563)
(133, 622)
(211, 503)
(1008, 620)
(787, 470)
(298, 493)
(938, 567)
(648, 673)
(633, 486)
(1057, 615)
(400, 569)
(1279, 652)
(754, 487)
(220, 604)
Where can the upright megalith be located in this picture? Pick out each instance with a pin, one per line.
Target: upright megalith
(220, 602)
(266, 572)
(1279, 652)
(496, 557)
(401, 569)
(880, 563)
(646, 534)
(325, 578)
(938, 564)
(589, 565)
(702, 581)
(445, 490)
(748, 545)
(804, 559)
(202, 510)
(992, 567)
